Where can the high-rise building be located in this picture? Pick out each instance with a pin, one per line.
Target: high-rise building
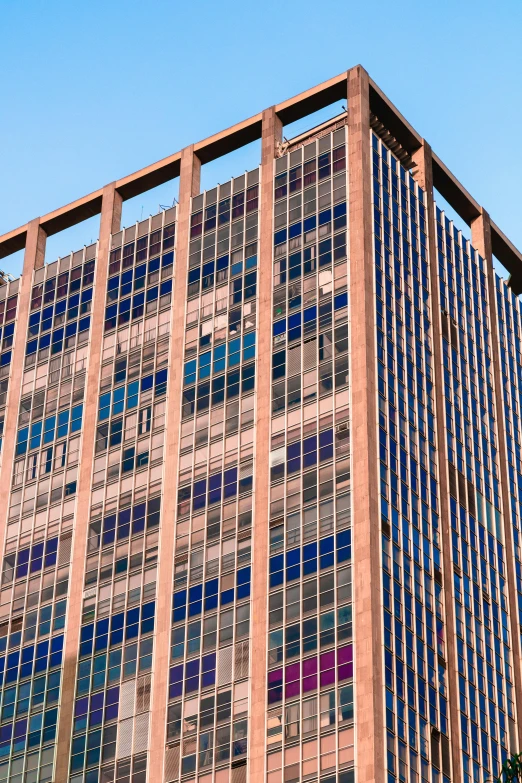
(261, 471)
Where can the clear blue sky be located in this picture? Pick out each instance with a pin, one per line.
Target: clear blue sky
(94, 89)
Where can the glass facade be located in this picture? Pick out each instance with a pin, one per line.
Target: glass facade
(310, 658)
(207, 719)
(417, 730)
(8, 306)
(509, 319)
(112, 703)
(250, 283)
(484, 659)
(40, 517)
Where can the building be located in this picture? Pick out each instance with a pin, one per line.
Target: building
(261, 471)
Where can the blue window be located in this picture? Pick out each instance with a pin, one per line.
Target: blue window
(234, 356)
(104, 407)
(340, 301)
(280, 236)
(21, 441)
(146, 383)
(205, 364)
(219, 358)
(118, 400)
(325, 217)
(279, 327)
(190, 372)
(132, 394)
(36, 435)
(249, 346)
(32, 347)
(76, 418)
(63, 424)
(295, 230)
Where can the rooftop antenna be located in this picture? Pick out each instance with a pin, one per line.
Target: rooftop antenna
(166, 206)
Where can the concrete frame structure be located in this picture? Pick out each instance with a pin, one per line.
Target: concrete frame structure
(368, 108)
(249, 130)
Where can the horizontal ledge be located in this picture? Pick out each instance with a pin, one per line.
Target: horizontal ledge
(455, 194)
(72, 213)
(13, 241)
(317, 98)
(509, 256)
(392, 119)
(229, 140)
(149, 177)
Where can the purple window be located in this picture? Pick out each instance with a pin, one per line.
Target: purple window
(325, 445)
(345, 662)
(97, 700)
(176, 689)
(345, 654)
(214, 488)
(176, 674)
(208, 678)
(293, 672)
(37, 557)
(310, 683)
(327, 663)
(111, 712)
(81, 706)
(292, 678)
(275, 686)
(192, 676)
(113, 695)
(96, 718)
(22, 564)
(327, 660)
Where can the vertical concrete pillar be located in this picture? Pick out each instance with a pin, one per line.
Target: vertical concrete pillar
(368, 674)
(271, 134)
(481, 241)
(188, 187)
(33, 259)
(423, 174)
(109, 224)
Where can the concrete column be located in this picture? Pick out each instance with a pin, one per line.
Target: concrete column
(109, 224)
(481, 241)
(271, 134)
(188, 187)
(423, 174)
(368, 675)
(33, 259)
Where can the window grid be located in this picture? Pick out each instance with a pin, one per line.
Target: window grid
(479, 579)
(509, 319)
(112, 708)
(310, 664)
(210, 653)
(36, 561)
(416, 706)
(8, 307)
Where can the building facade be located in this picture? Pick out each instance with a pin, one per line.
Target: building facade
(261, 471)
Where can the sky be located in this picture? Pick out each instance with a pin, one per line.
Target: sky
(92, 90)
